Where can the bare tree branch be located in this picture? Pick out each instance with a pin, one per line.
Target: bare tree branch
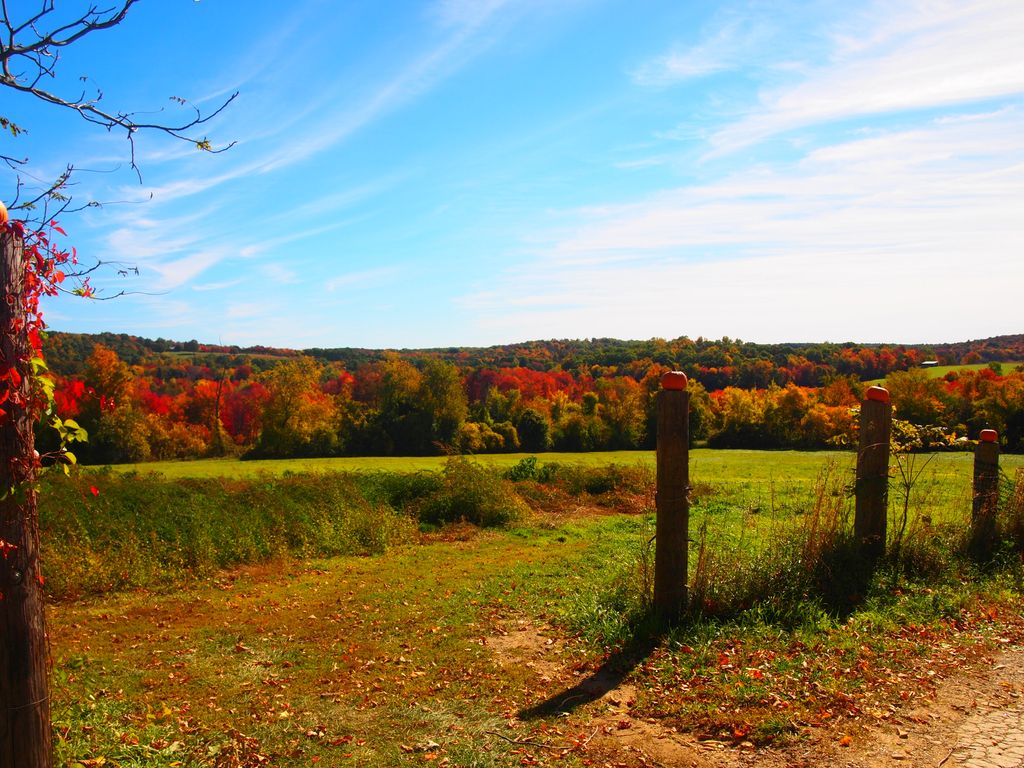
(30, 50)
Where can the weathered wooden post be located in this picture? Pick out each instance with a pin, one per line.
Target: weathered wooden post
(986, 494)
(671, 500)
(872, 485)
(25, 740)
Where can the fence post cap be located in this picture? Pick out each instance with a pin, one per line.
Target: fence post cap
(989, 435)
(878, 394)
(673, 380)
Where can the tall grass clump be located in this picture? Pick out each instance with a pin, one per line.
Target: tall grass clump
(788, 568)
(106, 531)
(617, 610)
(1011, 517)
(791, 569)
(795, 564)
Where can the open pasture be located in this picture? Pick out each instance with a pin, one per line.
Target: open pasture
(938, 371)
(706, 464)
(234, 468)
(507, 646)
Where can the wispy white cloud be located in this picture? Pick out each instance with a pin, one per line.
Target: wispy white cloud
(173, 273)
(731, 42)
(334, 114)
(178, 249)
(464, 13)
(893, 58)
(347, 196)
(197, 183)
(246, 310)
(175, 249)
(892, 235)
(164, 312)
(143, 241)
(359, 278)
(267, 246)
(465, 39)
(279, 274)
(219, 286)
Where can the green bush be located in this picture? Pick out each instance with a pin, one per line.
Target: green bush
(399, 490)
(612, 478)
(524, 469)
(471, 492)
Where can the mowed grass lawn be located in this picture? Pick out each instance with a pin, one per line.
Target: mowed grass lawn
(235, 468)
(707, 465)
(938, 371)
(468, 647)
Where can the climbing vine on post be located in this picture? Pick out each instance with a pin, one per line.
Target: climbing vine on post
(31, 267)
(35, 37)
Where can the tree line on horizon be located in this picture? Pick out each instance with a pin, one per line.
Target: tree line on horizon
(720, 362)
(188, 403)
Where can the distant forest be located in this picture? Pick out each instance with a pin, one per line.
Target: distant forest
(145, 399)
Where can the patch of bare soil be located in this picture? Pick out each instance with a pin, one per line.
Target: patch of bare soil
(526, 645)
(620, 737)
(972, 720)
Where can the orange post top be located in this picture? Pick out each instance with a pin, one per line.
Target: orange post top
(989, 435)
(878, 394)
(673, 380)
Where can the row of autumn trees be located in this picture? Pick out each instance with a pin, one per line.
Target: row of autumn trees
(172, 406)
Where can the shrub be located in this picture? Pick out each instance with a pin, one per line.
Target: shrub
(524, 469)
(472, 492)
(399, 490)
(613, 478)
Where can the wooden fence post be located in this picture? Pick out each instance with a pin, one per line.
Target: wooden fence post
(25, 740)
(872, 484)
(986, 494)
(671, 500)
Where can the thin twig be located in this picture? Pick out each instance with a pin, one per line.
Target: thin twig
(524, 743)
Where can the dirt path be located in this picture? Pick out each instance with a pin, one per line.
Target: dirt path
(973, 720)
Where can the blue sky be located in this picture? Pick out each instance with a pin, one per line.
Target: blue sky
(472, 172)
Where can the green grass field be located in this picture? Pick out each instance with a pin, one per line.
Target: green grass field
(706, 464)
(236, 468)
(938, 371)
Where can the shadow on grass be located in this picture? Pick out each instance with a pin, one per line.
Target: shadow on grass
(604, 679)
